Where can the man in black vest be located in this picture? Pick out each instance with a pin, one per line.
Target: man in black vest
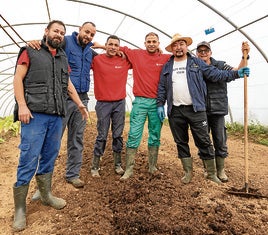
(41, 87)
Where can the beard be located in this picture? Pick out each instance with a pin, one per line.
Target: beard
(81, 42)
(179, 54)
(54, 43)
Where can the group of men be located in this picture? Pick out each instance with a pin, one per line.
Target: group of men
(47, 101)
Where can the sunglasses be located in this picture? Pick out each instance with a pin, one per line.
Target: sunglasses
(203, 51)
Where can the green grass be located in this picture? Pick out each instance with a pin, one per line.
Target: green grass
(257, 133)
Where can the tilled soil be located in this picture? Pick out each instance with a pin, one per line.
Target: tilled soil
(145, 204)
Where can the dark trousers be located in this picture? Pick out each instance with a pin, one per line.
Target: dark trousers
(75, 138)
(181, 118)
(109, 114)
(216, 124)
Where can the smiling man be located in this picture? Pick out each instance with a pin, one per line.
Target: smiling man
(110, 78)
(182, 85)
(217, 105)
(147, 65)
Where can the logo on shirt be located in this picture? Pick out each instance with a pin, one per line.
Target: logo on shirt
(194, 65)
(118, 67)
(204, 123)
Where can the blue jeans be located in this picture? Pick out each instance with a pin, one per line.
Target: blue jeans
(143, 108)
(39, 147)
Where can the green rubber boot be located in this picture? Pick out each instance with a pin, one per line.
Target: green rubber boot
(20, 194)
(44, 186)
(152, 158)
(211, 170)
(117, 163)
(187, 163)
(36, 195)
(130, 162)
(220, 169)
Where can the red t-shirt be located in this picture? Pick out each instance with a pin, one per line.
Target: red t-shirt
(110, 77)
(146, 70)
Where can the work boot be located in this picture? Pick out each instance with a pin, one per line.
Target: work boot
(117, 163)
(95, 166)
(187, 163)
(211, 170)
(44, 186)
(20, 194)
(152, 158)
(220, 169)
(130, 161)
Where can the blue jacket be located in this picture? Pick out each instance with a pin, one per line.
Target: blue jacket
(197, 72)
(80, 62)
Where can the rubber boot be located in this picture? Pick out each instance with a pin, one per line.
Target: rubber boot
(95, 166)
(130, 162)
(20, 194)
(187, 163)
(205, 170)
(44, 186)
(36, 195)
(153, 155)
(117, 163)
(220, 169)
(211, 170)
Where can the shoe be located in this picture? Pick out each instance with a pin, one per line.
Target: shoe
(76, 182)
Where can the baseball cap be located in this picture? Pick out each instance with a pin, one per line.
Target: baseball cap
(204, 43)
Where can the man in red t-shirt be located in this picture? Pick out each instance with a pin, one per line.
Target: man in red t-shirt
(110, 78)
(147, 65)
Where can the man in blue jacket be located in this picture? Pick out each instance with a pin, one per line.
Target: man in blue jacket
(182, 84)
(80, 56)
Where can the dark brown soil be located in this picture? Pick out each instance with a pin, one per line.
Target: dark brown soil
(145, 204)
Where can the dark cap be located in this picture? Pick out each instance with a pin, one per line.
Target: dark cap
(204, 43)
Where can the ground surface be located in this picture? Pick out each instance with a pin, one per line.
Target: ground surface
(145, 204)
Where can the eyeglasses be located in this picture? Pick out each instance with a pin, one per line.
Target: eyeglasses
(203, 51)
